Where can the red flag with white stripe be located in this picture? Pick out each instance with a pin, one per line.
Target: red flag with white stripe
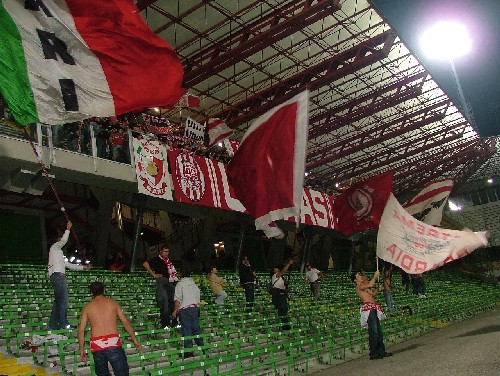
(267, 171)
(427, 206)
(231, 146)
(217, 131)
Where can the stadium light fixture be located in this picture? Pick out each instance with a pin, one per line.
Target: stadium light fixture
(446, 40)
(449, 40)
(453, 206)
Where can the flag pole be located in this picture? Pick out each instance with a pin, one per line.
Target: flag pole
(49, 180)
(378, 278)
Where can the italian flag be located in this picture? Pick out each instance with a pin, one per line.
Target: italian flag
(67, 60)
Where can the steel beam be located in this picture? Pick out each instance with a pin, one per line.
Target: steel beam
(372, 132)
(143, 4)
(322, 74)
(362, 145)
(331, 115)
(263, 32)
(375, 164)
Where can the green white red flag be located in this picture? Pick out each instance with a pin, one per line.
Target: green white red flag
(62, 61)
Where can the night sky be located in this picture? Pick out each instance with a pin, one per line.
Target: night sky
(479, 71)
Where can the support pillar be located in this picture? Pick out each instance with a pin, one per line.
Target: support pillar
(140, 200)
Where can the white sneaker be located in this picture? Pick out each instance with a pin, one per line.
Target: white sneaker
(422, 296)
(167, 328)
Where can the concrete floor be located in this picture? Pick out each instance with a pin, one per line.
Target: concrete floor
(467, 348)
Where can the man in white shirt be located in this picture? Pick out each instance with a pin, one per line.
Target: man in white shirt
(57, 267)
(312, 276)
(187, 301)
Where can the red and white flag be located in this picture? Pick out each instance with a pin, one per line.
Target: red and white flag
(68, 60)
(231, 146)
(427, 206)
(189, 100)
(217, 131)
(417, 247)
(267, 171)
(360, 206)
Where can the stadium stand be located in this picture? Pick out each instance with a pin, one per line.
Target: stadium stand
(324, 333)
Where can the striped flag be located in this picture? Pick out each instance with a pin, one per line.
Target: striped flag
(63, 61)
(427, 206)
(217, 131)
(231, 146)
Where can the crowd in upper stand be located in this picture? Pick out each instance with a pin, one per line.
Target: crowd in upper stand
(112, 139)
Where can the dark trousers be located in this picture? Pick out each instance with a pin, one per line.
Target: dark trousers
(249, 294)
(282, 307)
(165, 300)
(375, 336)
(190, 325)
(116, 357)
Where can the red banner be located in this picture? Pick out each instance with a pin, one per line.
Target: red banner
(202, 181)
(316, 209)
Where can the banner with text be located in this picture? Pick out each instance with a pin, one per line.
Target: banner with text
(194, 130)
(202, 181)
(417, 247)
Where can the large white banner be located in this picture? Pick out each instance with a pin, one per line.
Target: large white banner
(151, 167)
(417, 247)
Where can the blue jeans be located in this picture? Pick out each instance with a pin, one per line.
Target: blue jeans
(375, 336)
(249, 294)
(282, 307)
(389, 301)
(59, 315)
(190, 325)
(165, 299)
(220, 297)
(116, 357)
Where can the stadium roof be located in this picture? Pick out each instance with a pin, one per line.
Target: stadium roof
(373, 106)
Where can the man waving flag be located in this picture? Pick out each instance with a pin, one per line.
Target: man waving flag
(267, 171)
(67, 60)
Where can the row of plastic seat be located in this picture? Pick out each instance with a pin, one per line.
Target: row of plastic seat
(332, 324)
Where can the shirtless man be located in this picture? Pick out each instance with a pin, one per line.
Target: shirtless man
(105, 342)
(371, 313)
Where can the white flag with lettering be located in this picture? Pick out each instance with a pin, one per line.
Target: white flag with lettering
(417, 247)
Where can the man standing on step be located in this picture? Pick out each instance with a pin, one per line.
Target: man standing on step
(371, 313)
(247, 280)
(187, 303)
(161, 268)
(313, 276)
(57, 267)
(101, 312)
